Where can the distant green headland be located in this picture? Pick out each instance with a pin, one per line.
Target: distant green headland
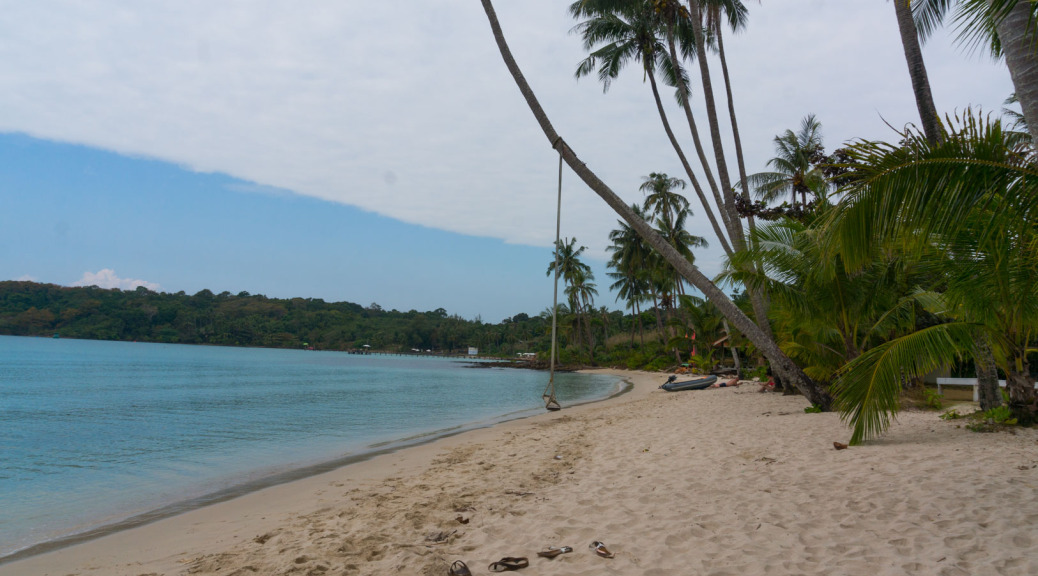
(244, 319)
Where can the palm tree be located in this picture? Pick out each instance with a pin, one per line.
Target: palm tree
(578, 278)
(1017, 26)
(779, 361)
(917, 70)
(630, 258)
(696, 327)
(683, 29)
(670, 210)
(581, 293)
(1008, 27)
(699, 10)
(567, 255)
(680, 238)
(660, 199)
(734, 13)
(793, 170)
(974, 197)
(618, 32)
(825, 316)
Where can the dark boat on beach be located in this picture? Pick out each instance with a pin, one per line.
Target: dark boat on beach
(693, 384)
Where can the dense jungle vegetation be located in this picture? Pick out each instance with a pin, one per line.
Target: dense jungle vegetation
(33, 309)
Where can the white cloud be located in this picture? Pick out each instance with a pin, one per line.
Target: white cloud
(107, 278)
(409, 111)
(26, 278)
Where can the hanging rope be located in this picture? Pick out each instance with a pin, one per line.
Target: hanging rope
(549, 391)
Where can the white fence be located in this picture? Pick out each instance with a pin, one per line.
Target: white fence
(966, 382)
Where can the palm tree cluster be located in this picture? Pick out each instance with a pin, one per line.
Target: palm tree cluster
(580, 290)
(920, 254)
(929, 259)
(640, 273)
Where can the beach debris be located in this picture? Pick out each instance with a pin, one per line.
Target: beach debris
(839, 445)
(462, 520)
(262, 539)
(440, 537)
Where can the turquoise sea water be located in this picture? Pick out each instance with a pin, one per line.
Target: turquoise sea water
(93, 433)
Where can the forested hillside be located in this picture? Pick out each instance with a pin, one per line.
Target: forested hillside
(31, 309)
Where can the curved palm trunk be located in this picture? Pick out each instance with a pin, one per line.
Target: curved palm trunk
(735, 125)
(688, 168)
(917, 70)
(738, 238)
(1019, 37)
(729, 215)
(760, 310)
(757, 300)
(779, 361)
(694, 130)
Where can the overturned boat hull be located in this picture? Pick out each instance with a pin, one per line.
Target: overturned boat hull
(693, 384)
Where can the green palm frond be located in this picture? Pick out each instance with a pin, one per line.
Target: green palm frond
(917, 190)
(867, 390)
(974, 20)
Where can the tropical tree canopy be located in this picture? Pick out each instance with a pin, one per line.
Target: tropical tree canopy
(971, 199)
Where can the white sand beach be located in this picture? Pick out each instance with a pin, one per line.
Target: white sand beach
(716, 482)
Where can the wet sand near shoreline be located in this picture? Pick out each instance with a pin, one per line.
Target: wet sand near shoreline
(719, 481)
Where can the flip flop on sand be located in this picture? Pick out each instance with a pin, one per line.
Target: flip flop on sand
(553, 552)
(601, 549)
(508, 563)
(459, 569)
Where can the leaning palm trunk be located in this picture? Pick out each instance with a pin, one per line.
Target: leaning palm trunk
(779, 361)
(1018, 33)
(728, 206)
(688, 168)
(738, 237)
(743, 182)
(725, 205)
(917, 70)
(757, 300)
(683, 96)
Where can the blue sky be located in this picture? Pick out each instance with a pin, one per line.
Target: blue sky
(70, 210)
(354, 151)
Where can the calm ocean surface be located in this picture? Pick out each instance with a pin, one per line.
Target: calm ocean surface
(93, 433)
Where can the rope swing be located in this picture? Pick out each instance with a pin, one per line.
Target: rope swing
(550, 401)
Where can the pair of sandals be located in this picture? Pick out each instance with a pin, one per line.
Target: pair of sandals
(508, 563)
(505, 564)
